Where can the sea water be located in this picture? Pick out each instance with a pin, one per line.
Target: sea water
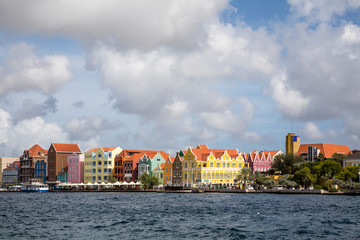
(119, 215)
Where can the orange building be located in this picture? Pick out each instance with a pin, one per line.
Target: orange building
(57, 158)
(168, 170)
(311, 152)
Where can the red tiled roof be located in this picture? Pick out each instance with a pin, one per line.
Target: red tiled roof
(108, 149)
(66, 147)
(35, 151)
(12, 165)
(326, 149)
(202, 146)
(92, 150)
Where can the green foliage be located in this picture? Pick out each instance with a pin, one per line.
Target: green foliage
(338, 157)
(147, 181)
(287, 182)
(112, 179)
(325, 188)
(304, 177)
(330, 168)
(318, 187)
(333, 190)
(270, 183)
(286, 164)
(244, 176)
(349, 185)
(321, 157)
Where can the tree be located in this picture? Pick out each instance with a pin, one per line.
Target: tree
(270, 183)
(321, 157)
(287, 182)
(244, 176)
(330, 168)
(349, 173)
(112, 179)
(286, 164)
(304, 177)
(338, 157)
(148, 181)
(259, 180)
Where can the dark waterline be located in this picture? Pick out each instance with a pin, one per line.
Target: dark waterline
(177, 216)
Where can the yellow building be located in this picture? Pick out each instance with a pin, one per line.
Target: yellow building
(99, 164)
(211, 167)
(292, 144)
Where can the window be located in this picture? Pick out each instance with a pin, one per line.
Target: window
(93, 179)
(185, 165)
(109, 170)
(233, 165)
(169, 178)
(218, 164)
(105, 170)
(105, 178)
(109, 162)
(189, 157)
(211, 164)
(105, 162)
(99, 163)
(228, 165)
(223, 165)
(99, 170)
(185, 176)
(99, 178)
(94, 163)
(110, 154)
(99, 155)
(192, 165)
(93, 171)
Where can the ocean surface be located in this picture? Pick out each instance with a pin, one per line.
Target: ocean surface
(177, 216)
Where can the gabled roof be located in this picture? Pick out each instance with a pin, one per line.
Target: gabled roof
(326, 149)
(35, 151)
(354, 156)
(108, 149)
(272, 153)
(14, 165)
(202, 146)
(66, 147)
(92, 150)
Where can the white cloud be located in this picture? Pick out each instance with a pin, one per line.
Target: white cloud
(22, 70)
(125, 24)
(16, 137)
(312, 132)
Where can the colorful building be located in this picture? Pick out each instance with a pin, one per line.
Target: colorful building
(292, 144)
(204, 167)
(311, 152)
(27, 162)
(62, 176)
(131, 167)
(158, 172)
(40, 170)
(57, 158)
(260, 161)
(76, 168)
(4, 163)
(99, 164)
(149, 161)
(177, 179)
(11, 173)
(168, 171)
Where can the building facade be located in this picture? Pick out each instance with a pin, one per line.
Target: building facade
(11, 173)
(62, 176)
(27, 162)
(4, 163)
(41, 170)
(57, 158)
(211, 167)
(292, 144)
(99, 164)
(76, 168)
(158, 172)
(177, 171)
(327, 150)
(352, 160)
(150, 161)
(168, 171)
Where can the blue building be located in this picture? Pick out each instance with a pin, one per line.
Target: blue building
(40, 170)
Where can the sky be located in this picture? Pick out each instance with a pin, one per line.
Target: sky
(166, 74)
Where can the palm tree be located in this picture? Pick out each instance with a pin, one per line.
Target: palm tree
(244, 176)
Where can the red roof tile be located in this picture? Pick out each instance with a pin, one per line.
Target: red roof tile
(66, 147)
(326, 149)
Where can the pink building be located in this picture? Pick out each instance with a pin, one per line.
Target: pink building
(75, 168)
(260, 161)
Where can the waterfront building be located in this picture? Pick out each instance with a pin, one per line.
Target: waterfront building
(4, 163)
(27, 162)
(177, 170)
(119, 165)
(99, 164)
(57, 158)
(292, 144)
(76, 168)
(260, 161)
(40, 170)
(352, 160)
(158, 172)
(311, 152)
(62, 176)
(168, 171)
(204, 167)
(149, 161)
(11, 173)
(131, 167)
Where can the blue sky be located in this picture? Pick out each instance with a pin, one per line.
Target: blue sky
(172, 74)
